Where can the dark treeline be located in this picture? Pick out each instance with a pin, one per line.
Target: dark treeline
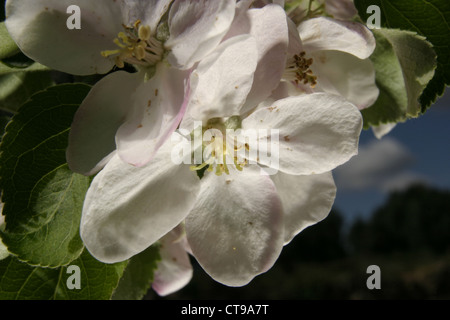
(414, 220)
(408, 238)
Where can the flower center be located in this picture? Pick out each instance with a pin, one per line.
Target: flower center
(222, 147)
(136, 45)
(298, 70)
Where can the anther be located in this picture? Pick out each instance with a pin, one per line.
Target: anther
(298, 70)
(136, 46)
(144, 33)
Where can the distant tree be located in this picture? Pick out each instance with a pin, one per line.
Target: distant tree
(319, 243)
(415, 219)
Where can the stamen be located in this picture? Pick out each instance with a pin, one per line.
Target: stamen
(137, 23)
(222, 149)
(119, 62)
(144, 33)
(139, 52)
(298, 70)
(108, 53)
(137, 46)
(199, 167)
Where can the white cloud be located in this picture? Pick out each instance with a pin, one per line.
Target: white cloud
(383, 164)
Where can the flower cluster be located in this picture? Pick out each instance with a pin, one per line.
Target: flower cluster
(177, 70)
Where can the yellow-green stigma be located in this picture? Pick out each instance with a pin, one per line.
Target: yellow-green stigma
(220, 150)
(298, 70)
(136, 46)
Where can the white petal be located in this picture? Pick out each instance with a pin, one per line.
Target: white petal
(268, 26)
(383, 129)
(235, 230)
(103, 111)
(128, 209)
(196, 28)
(174, 271)
(148, 12)
(157, 109)
(344, 74)
(306, 200)
(39, 28)
(314, 133)
(3, 249)
(329, 34)
(341, 9)
(221, 82)
(295, 43)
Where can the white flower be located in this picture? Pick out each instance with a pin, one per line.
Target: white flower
(191, 30)
(122, 107)
(236, 219)
(331, 56)
(174, 270)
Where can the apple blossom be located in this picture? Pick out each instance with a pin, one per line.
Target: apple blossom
(331, 56)
(236, 219)
(163, 39)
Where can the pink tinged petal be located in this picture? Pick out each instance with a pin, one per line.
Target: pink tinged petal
(159, 106)
(306, 200)
(2, 217)
(174, 271)
(344, 74)
(221, 82)
(295, 43)
(329, 34)
(196, 28)
(315, 133)
(235, 229)
(127, 209)
(268, 26)
(341, 9)
(39, 29)
(148, 12)
(103, 111)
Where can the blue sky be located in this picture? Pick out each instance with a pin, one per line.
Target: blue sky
(417, 150)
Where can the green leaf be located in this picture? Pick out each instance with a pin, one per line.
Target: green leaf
(138, 275)
(429, 18)
(4, 120)
(20, 281)
(42, 197)
(404, 64)
(17, 87)
(6, 68)
(8, 46)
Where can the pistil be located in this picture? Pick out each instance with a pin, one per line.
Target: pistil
(221, 150)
